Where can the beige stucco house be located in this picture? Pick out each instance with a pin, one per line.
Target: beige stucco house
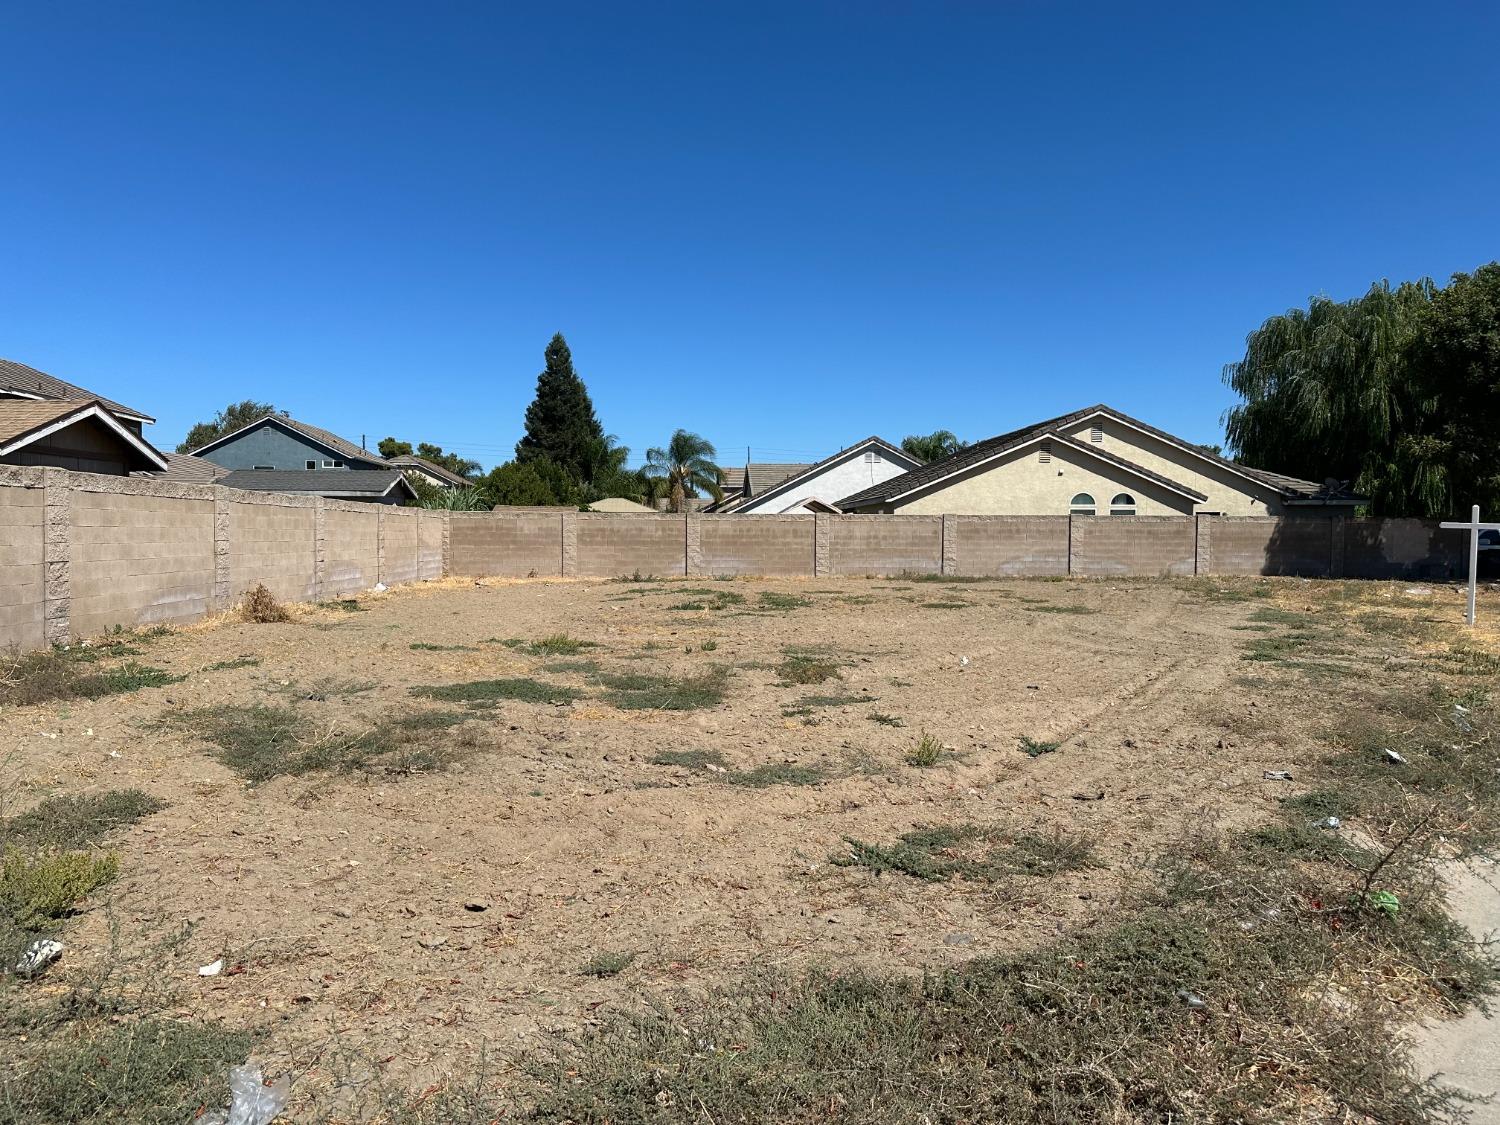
(1096, 461)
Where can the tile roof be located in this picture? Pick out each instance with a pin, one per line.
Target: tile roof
(188, 469)
(1290, 488)
(326, 438)
(619, 504)
(324, 482)
(421, 464)
(29, 381)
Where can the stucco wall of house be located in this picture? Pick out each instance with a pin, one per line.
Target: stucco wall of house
(1228, 493)
(270, 446)
(842, 478)
(1021, 484)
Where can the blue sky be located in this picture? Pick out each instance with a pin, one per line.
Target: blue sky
(783, 225)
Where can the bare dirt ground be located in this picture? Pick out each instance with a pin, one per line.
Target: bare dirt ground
(417, 918)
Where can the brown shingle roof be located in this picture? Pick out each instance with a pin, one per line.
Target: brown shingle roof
(23, 421)
(29, 381)
(19, 417)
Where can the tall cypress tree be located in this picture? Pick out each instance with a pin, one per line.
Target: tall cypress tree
(560, 422)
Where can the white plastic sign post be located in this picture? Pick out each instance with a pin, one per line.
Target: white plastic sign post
(1474, 527)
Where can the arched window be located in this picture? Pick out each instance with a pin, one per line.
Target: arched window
(1081, 505)
(1122, 505)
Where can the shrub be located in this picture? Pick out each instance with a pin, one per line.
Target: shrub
(926, 752)
(35, 889)
(482, 692)
(69, 823)
(260, 607)
(639, 692)
(606, 964)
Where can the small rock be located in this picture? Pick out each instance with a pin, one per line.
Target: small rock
(1191, 999)
(342, 912)
(476, 907)
(957, 938)
(432, 941)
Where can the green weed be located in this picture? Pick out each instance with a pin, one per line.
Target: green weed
(69, 823)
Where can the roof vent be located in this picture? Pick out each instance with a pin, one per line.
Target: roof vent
(1096, 435)
(1044, 455)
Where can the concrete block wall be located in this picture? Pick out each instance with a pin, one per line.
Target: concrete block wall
(1140, 546)
(884, 545)
(1256, 545)
(610, 544)
(763, 545)
(80, 553)
(1404, 548)
(277, 545)
(512, 545)
(351, 548)
(1023, 546)
(143, 558)
(22, 571)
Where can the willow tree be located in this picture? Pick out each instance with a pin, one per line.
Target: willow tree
(687, 465)
(1329, 393)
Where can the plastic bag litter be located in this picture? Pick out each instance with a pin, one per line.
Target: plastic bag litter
(1277, 775)
(1394, 758)
(251, 1102)
(39, 954)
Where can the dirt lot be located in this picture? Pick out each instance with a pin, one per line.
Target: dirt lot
(418, 915)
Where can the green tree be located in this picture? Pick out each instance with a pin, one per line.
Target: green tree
(560, 422)
(1329, 394)
(1456, 364)
(933, 446)
(390, 447)
(236, 416)
(686, 464)
(531, 483)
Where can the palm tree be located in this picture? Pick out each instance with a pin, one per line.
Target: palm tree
(686, 464)
(931, 447)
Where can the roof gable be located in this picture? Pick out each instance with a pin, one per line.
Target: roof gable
(24, 423)
(322, 482)
(422, 465)
(1289, 488)
(811, 472)
(325, 438)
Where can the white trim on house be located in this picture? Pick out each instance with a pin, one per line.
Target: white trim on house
(1179, 444)
(93, 410)
(1066, 443)
(891, 453)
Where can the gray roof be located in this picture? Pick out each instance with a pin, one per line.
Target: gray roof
(1290, 489)
(29, 381)
(763, 476)
(188, 469)
(323, 482)
(326, 438)
(871, 442)
(422, 465)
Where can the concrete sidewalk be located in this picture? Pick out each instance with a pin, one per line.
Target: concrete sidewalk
(1465, 1052)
